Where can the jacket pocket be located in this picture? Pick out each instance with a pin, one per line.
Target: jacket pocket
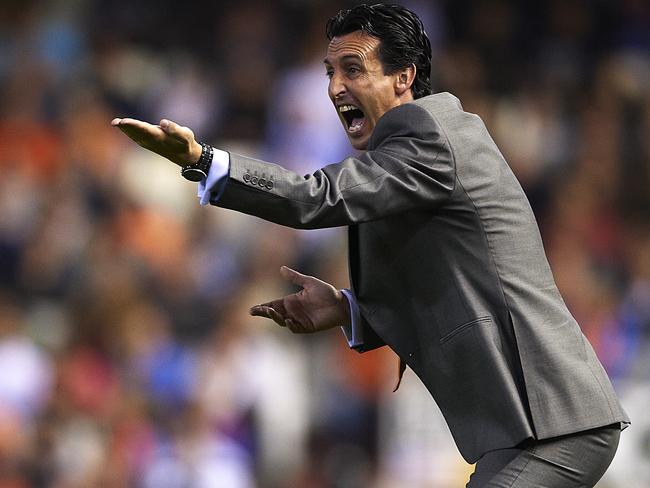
(477, 390)
(464, 326)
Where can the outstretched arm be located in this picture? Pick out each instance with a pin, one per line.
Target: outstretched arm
(318, 306)
(408, 166)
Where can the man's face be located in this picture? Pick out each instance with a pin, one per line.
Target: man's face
(358, 87)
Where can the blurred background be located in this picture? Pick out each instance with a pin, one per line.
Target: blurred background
(127, 357)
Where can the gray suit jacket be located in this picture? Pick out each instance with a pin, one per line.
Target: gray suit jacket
(448, 268)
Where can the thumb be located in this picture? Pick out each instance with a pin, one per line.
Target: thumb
(168, 126)
(293, 276)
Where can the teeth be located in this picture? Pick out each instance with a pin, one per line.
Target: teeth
(347, 108)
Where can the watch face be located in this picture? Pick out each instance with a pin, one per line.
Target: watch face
(193, 174)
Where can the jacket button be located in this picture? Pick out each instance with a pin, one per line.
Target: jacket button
(254, 180)
(247, 178)
(269, 185)
(262, 182)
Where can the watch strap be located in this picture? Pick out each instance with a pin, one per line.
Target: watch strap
(199, 170)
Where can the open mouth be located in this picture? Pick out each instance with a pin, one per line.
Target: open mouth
(353, 116)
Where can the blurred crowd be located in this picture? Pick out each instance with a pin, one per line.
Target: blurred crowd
(127, 355)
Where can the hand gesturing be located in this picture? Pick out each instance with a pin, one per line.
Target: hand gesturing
(318, 306)
(169, 140)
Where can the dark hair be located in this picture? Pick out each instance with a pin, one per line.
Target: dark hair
(401, 34)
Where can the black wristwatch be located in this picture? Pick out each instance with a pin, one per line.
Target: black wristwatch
(199, 170)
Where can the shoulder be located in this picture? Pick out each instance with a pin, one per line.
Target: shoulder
(440, 101)
(421, 118)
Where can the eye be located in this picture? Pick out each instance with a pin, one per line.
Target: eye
(353, 70)
(329, 73)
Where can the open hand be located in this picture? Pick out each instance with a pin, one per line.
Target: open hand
(318, 306)
(169, 140)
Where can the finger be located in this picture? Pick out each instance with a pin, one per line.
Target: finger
(257, 311)
(269, 313)
(138, 130)
(277, 318)
(277, 305)
(294, 276)
(169, 126)
(129, 122)
(260, 311)
(176, 130)
(295, 327)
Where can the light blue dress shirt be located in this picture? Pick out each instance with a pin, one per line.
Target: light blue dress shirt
(210, 190)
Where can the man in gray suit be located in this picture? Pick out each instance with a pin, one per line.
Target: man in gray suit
(446, 261)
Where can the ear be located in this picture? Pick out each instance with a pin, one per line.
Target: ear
(404, 79)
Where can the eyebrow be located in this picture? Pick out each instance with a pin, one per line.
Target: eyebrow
(347, 57)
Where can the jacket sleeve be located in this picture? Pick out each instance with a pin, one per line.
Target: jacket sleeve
(408, 166)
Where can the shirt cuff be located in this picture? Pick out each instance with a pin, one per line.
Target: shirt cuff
(212, 186)
(353, 332)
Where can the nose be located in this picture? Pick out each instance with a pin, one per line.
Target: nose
(336, 87)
